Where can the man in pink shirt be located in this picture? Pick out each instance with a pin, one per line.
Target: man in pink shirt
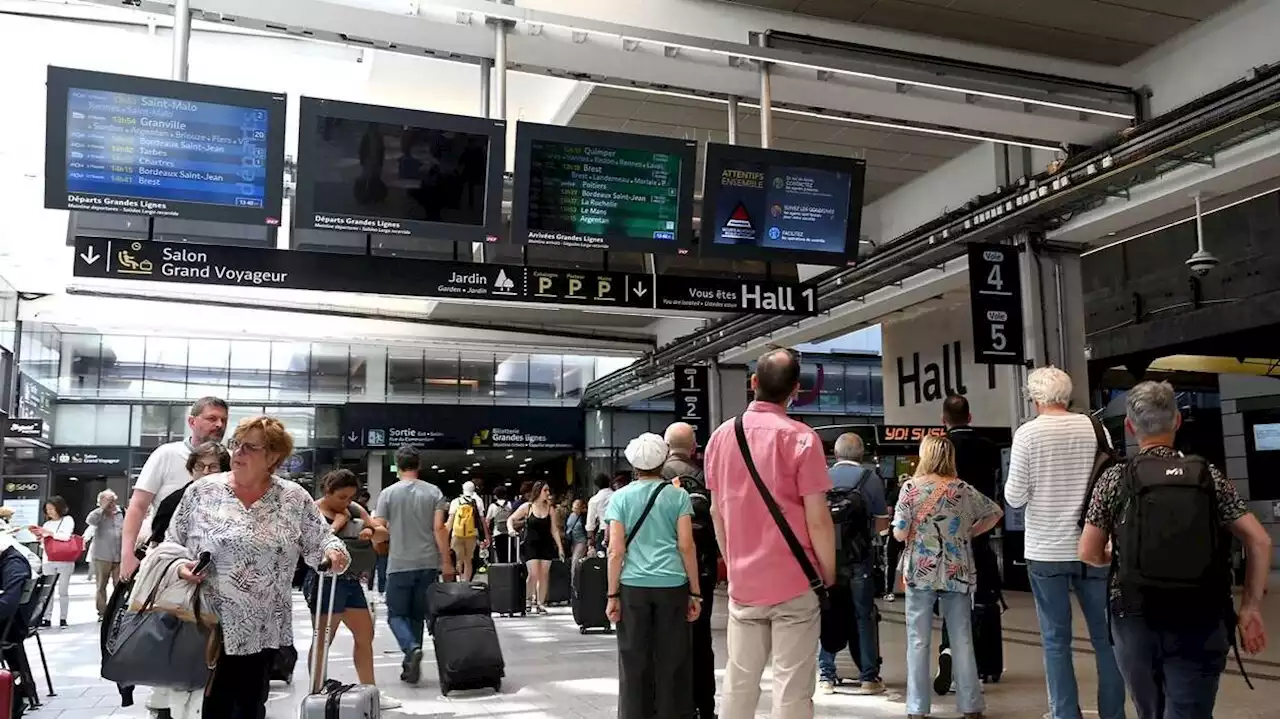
(771, 604)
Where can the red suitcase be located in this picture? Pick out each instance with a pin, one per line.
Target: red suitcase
(8, 695)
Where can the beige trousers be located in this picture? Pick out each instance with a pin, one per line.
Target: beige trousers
(789, 632)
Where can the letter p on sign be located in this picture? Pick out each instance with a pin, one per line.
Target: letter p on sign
(575, 286)
(604, 287)
(544, 285)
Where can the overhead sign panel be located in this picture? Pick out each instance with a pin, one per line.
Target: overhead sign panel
(454, 427)
(995, 294)
(391, 171)
(194, 264)
(588, 189)
(24, 428)
(775, 205)
(141, 146)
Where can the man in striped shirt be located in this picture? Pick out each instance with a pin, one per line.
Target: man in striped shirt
(1049, 467)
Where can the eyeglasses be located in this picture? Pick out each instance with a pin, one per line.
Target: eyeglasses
(249, 448)
(207, 467)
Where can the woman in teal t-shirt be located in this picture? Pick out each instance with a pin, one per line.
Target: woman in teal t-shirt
(653, 587)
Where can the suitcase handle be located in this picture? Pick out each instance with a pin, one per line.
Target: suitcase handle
(320, 635)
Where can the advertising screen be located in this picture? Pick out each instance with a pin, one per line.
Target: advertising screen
(1266, 437)
(602, 190)
(392, 171)
(133, 145)
(775, 205)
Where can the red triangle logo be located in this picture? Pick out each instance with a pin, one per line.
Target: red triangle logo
(740, 213)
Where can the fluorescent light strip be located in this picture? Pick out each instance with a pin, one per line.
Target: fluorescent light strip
(840, 118)
(1171, 225)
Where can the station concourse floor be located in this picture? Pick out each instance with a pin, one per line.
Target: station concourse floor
(553, 672)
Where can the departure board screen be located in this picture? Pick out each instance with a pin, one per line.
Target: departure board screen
(594, 192)
(772, 205)
(392, 171)
(175, 150)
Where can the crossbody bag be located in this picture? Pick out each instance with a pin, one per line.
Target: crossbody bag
(925, 510)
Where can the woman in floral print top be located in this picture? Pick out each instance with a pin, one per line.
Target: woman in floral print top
(936, 516)
(254, 526)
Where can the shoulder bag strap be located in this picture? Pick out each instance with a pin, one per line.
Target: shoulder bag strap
(866, 473)
(811, 574)
(653, 498)
(925, 510)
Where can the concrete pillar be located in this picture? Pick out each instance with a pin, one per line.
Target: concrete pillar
(376, 462)
(1053, 321)
(374, 360)
(731, 390)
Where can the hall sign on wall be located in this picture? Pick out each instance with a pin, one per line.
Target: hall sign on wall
(297, 270)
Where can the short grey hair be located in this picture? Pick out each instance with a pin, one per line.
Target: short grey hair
(849, 447)
(1049, 386)
(105, 494)
(1152, 409)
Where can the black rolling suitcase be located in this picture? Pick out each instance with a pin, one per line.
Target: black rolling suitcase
(468, 654)
(988, 640)
(590, 595)
(559, 583)
(507, 584)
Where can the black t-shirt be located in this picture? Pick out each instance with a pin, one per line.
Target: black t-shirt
(977, 459)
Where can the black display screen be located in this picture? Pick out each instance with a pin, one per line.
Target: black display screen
(601, 190)
(399, 172)
(132, 145)
(773, 205)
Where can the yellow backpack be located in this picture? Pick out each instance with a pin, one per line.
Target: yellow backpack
(464, 520)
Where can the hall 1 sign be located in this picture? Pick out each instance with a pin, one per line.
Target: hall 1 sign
(995, 296)
(693, 403)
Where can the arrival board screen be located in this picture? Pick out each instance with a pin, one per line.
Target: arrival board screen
(163, 154)
(604, 194)
(774, 204)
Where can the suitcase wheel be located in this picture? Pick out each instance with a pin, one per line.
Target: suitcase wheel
(608, 630)
(497, 685)
(445, 688)
(582, 630)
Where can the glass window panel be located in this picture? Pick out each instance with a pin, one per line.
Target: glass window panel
(857, 389)
(113, 425)
(122, 360)
(165, 371)
(250, 370)
(208, 368)
(328, 425)
(75, 424)
(442, 377)
(877, 390)
(368, 374)
(405, 376)
(290, 365)
(578, 372)
(330, 368)
(178, 416)
(511, 381)
(831, 397)
(154, 425)
(84, 363)
(476, 375)
(300, 422)
(238, 412)
(546, 377)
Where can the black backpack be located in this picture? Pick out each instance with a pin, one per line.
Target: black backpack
(852, 519)
(1170, 549)
(704, 531)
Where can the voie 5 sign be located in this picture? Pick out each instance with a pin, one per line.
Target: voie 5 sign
(995, 295)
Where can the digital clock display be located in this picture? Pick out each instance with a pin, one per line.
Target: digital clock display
(909, 433)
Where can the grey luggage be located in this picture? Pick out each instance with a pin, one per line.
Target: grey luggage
(335, 700)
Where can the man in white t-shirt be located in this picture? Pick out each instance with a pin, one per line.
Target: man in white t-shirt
(165, 473)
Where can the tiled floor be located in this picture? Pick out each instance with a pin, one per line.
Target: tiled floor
(554, 672)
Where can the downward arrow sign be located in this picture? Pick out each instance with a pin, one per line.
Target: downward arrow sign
(89, 256)
(353, 437)
(640, 291)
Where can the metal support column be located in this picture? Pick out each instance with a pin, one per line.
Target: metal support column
(715, 409)
(486, 66)
(12, 393)
(500, 69)
(766, 101)
(733, 119)
(181, 38)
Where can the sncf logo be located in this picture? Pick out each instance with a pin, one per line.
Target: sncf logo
(1173, 471)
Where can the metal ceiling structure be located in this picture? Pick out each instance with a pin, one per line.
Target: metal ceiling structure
(1192, 134)
(1110, 32)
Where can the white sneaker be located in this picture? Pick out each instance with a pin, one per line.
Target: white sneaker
(826, 687)
(387, 703)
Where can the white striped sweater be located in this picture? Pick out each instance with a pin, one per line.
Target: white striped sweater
(1049, 468)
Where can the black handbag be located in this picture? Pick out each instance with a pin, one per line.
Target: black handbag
(159, 649)
(834, 637)
(363, 557)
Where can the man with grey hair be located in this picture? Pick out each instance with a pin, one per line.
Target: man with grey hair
(1171, 639)
(1050, 465)
(851, 480)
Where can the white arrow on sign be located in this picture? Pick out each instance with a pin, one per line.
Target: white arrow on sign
(640, 290)
(90, 256)
(353, 437)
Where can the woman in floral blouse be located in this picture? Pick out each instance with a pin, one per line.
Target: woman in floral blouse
(936, 516)
(254, 526)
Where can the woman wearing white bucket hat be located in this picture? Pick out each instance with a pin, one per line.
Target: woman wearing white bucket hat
(653, 587)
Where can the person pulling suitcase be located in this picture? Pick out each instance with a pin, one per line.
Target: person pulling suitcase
(329, 698)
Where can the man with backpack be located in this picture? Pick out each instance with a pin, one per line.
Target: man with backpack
(466, 518)
(684, 470)
(859, 512)
(1161, 523)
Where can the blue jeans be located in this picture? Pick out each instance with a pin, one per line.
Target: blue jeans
(407, 607)
(957, 610)
(1052, 584)
(379, 574)
(866, 651)
(1172, 671)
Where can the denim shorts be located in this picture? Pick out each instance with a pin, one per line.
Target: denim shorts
(348, 594)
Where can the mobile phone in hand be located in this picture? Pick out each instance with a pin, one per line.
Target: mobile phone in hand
(203, 563)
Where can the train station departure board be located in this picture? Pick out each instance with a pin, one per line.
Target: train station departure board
(601, 190)
(131, 145)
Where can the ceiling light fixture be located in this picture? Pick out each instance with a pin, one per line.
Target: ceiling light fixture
(883, 124)
(470, 452)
